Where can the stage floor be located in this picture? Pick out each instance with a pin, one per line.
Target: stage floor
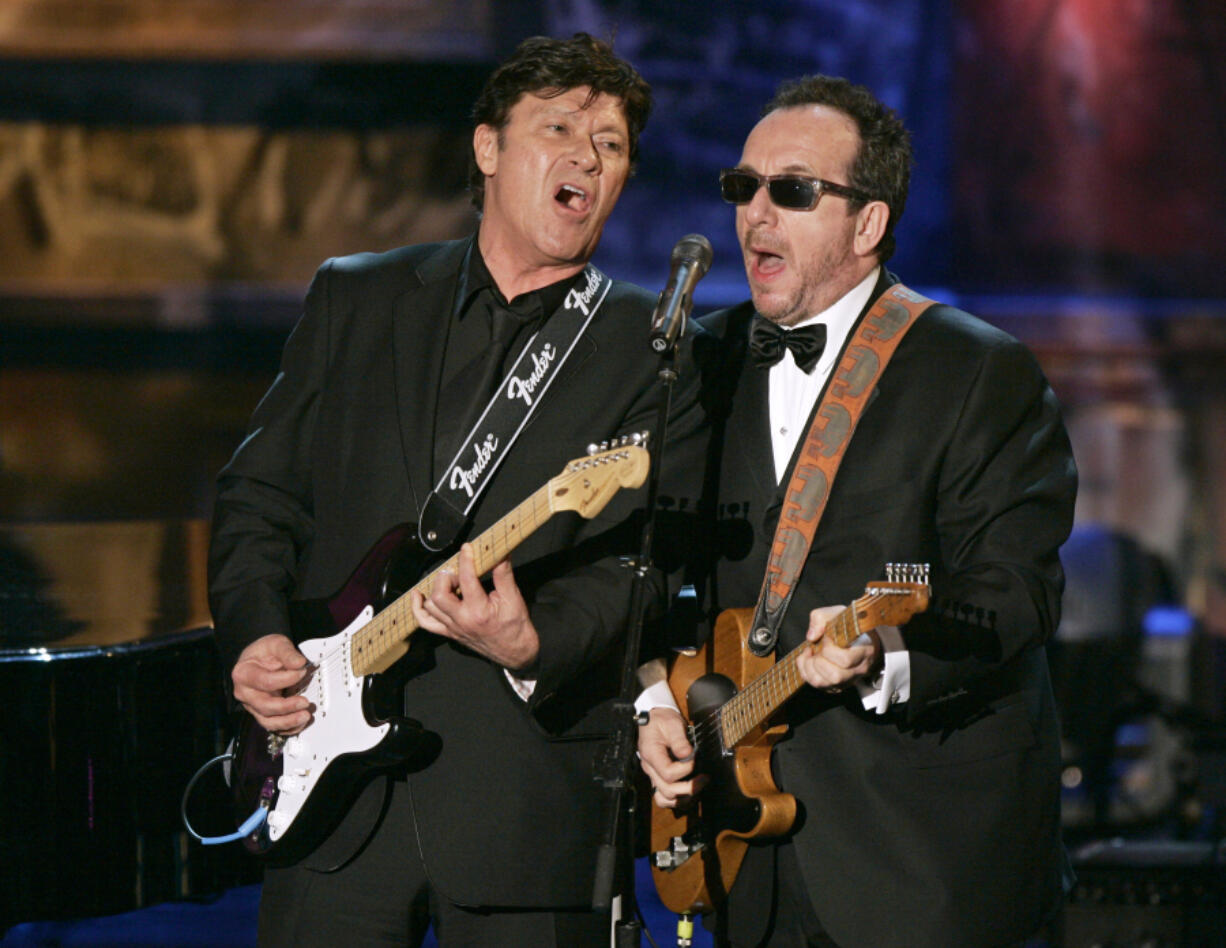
(229, 920)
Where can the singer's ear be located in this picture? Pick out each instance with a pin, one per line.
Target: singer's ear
(485, 149)
(870, 227)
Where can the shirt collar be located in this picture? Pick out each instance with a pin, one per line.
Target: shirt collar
(535, 303)
(841, 315)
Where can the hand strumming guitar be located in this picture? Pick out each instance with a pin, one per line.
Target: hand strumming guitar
(264, 670)
(667, 757)
(664, 748)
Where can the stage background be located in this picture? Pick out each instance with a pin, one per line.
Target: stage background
(173, 171)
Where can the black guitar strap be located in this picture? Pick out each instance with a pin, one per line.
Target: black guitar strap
(466, 476)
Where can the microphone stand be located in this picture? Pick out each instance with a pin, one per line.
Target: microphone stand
(614, 759)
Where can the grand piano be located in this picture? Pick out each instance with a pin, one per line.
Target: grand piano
(113, 698)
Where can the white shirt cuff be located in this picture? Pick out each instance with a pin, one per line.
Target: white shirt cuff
(893, 684)
(521, 686)
(658, 695)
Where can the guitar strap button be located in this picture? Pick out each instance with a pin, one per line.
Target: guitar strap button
(762, 639)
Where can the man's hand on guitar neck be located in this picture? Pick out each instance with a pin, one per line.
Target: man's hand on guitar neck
(263, 672)
(494, 624)
(826, 665)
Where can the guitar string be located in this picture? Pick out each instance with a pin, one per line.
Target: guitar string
(494, 552)
(530, 510)
(778, 684)
(783, 679)
(729, 719)
(530, 514)
(527, 513)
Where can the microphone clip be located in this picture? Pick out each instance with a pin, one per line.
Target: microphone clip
(691, 258)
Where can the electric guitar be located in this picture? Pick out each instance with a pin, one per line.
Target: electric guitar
(697, 849)
(305, 783)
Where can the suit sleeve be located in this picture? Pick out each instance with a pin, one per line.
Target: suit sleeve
(262, 521)
(1004, 506)
(582, 613)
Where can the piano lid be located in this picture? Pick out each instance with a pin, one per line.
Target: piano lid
(69, 588)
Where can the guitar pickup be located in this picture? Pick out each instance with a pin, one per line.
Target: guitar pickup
(678, 853)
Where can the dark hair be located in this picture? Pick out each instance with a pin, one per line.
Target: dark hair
(882, 166)
(545, 66)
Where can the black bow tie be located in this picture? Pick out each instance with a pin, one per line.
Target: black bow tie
(766, 342)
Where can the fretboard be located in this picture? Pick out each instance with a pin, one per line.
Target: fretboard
(766, 694)
(395, 623)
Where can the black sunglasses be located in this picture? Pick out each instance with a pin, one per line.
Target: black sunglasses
(793, 191)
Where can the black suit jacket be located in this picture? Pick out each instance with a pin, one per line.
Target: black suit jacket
(937, 823)
(340, 449)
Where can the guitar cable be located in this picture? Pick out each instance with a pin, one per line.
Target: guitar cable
(249, 826)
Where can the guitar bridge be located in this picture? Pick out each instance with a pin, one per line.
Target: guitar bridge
(680, 849)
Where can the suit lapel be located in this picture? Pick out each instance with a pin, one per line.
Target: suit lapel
(422, 316)
(750, 431)
(749, 459)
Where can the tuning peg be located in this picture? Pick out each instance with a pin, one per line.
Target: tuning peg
(907, 573)
(592, 448)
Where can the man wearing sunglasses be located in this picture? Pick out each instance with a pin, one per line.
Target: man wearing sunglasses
(924, 758)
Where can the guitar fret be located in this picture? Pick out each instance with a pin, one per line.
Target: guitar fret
(762, 697)
(583, 480)
(847, 631)
(396, 622)
(341, 659)
(496, 543)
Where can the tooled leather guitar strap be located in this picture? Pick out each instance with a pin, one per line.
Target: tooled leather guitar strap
(869, 349)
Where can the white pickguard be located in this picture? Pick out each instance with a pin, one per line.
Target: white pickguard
(339, 726)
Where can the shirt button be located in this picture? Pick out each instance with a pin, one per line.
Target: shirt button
(783, 431)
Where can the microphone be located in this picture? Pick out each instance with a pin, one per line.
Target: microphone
(689, 263)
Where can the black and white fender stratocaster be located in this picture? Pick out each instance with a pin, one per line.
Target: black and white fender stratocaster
(351, 641)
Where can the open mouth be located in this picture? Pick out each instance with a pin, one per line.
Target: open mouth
(572, 197)
(766, 262)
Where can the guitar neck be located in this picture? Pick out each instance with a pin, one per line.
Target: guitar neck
(766, 694)
(393, 625)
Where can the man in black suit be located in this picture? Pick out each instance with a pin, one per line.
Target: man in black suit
(925, 758)
(493, 841)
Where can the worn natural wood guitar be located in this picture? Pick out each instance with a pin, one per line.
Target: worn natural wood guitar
(727, 694)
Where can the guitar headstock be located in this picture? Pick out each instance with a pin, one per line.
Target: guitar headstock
(894, 600)
(586, 484)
